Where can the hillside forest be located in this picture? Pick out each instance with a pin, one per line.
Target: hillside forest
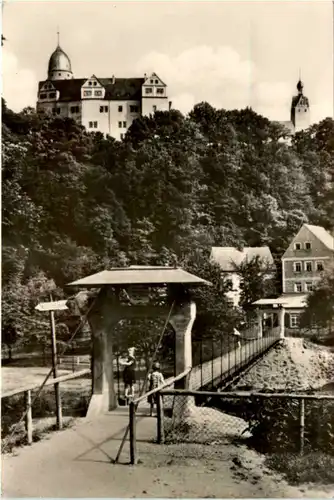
(74, 203)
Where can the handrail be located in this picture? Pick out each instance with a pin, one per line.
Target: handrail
(51, 381)
(167, 382)
(241, 394)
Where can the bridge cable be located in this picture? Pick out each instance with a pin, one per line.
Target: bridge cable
(145, 381)
(81, 324)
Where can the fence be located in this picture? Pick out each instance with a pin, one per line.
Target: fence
(271, 422)
(216, 362)
(21, 406)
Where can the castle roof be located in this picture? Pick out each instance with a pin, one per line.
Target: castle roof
(59, 61)
(116, 89)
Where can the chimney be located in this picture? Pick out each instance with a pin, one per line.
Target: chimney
(145, 76)
(169, 105)
(113, 79)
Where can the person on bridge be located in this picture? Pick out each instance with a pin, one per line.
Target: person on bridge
(155, 379)
(129, 374)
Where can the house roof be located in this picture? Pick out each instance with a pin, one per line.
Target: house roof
(324, 236)
(229, 257)
(289, 301)
(121, 89)
(139, 275)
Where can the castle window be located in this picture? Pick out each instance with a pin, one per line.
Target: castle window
(160, 90)
(156, 81)
(98, 92)
(90, 83)
(297, 266)
(308, 267)
(52, 95)
(59, 74)
(87, 93)
(298, 287)
(124, 124)
(119, 124)
(43, 96)
(122, 136)
(120, 109)
(134, 109)
(74, 109)
(297, 246)
(92, 124)
(95, 83)
(58, 111)
(305, 110)
(151, 81)
(148, 90)
(103, 109)
(154, 109)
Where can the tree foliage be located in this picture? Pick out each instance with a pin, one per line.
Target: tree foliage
(75, 203)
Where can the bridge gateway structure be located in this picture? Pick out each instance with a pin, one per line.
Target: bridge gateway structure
(123, 293)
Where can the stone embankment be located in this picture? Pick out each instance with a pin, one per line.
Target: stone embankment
(293, 365)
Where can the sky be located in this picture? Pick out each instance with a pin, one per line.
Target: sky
(231, 54)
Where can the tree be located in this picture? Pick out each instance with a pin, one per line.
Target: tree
(320, 304)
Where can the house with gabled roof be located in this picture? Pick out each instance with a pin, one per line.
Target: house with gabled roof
(309, 255)
(106, 105)
(230, 258)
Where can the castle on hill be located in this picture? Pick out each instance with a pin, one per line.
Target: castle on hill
(110, 105)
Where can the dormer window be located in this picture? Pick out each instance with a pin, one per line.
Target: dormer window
(160, 90)
(298, 246)
(87, 93)
(148, 90)
(98, 93)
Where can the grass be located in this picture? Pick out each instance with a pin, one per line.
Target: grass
(317, 468)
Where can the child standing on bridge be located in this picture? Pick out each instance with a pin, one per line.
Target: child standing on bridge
(155, 379)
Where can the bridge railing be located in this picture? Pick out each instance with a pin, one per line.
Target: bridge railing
(20, 406)
(270, 422)
(225, 365)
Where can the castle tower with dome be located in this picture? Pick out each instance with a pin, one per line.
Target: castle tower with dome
(108, 105)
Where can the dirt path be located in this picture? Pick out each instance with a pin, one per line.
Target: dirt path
(78, 463)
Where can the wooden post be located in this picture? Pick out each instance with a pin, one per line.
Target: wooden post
(160, 419)
(132, 428)
(54, 369)
(302, 424)
(27, 396)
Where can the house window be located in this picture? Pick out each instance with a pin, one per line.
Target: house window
(297, 246)
(134, 109)
(294, 320)
(119, 124)
(307, 245)
(98, 93)
(308, 267)
(103, 109)
(148, 90)
(156, 81)
(298, 287)
(94, 83)
(120, 109)
(43, 96)
(87, 93)
(124, 124)
(151, 81)
(160, 91)
(89, 83)
(92, 124)
(308, 286)
(229, 284)
(52, 95)
(297, 266)
(319, 266)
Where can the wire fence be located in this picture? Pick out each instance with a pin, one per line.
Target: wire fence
(271, 423)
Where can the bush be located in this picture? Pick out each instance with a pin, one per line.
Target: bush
(309, 468)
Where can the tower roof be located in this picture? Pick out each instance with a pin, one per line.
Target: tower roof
(300, 86)
(59, 61)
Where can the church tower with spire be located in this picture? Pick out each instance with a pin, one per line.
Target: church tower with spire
(300, 109)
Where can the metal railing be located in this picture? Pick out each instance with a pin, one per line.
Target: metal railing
(303, 423)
